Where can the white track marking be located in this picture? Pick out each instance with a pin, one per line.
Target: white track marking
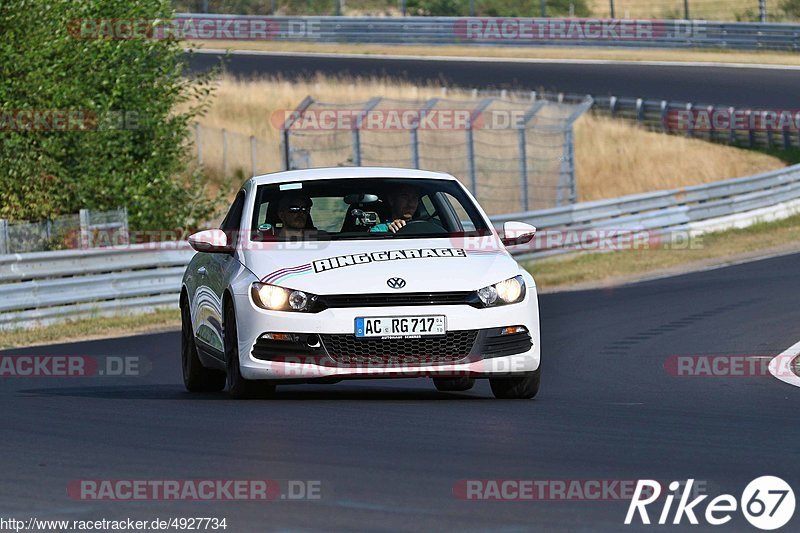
(781, 363)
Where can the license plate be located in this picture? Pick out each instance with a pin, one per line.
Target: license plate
(400, 326)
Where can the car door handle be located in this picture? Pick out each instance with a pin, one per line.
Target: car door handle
(202, 271)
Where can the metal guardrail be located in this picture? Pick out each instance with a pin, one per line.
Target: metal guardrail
(43, 287)
(493, 31)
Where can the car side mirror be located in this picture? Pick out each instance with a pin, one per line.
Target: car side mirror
(210, 241)
(517, 233)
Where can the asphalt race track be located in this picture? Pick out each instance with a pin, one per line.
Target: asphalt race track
(388, 453)
(700, 84)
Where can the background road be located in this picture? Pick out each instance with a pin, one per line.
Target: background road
(767, 88)
(389, 452)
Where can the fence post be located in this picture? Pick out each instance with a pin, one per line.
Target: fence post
(762, 10)
(473, 179)
(198, 140)
(357, 130)
(686, 9)
(567, 171)
(612, 105)
(471, 8)
(430, 104)
(85, 234)
(689, 126)
(473, 172)
(4, 244)
(612, 8)
(544, 8)
(664, 118)
(252, 155)
(732, 134)
(751, 136)
(639, 111)
(287, 124)
(712, 132)
(123, 231)
(523, 169)
(523, 153)
(224, 153)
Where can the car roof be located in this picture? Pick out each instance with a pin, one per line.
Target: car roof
(348, 172)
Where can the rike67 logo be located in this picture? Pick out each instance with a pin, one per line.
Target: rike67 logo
(767, 503)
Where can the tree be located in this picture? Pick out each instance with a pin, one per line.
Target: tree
(88, 120)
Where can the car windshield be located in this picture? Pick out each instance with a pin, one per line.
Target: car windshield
(365, 208)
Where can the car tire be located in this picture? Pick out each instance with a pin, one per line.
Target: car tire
(239, 387)
(517, 388)
(454, 384)
(196, 377)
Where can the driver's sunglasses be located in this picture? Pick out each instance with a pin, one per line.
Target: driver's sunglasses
(299, 209)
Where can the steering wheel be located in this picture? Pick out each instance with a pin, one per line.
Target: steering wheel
(421, 226)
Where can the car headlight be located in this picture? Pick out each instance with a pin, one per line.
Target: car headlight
(509, 291)
(274, 298)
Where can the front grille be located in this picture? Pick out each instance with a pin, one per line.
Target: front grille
(399, 299)
(500, 345)
(348, 350)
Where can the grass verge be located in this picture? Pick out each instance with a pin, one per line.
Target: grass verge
(711, 249)
(606, 54)
(92, 328)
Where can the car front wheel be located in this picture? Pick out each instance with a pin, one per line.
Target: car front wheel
(239, 387)
(518, 387)
(196, 377)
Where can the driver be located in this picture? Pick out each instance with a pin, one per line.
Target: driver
(293, 211)
(404, 201)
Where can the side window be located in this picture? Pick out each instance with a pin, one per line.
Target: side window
(428, 210)
(233, 219)
(461, 213)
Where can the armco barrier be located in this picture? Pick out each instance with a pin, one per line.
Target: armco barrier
(489, 31)
(43, 287)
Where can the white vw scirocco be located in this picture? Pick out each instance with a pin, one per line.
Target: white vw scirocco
(327, 274)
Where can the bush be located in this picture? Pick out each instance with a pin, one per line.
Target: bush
(108, 83)
(498, 8)
(791, 8)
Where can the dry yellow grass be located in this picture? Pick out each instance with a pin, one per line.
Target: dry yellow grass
(608, 54)
(613, 158)
(698, 9)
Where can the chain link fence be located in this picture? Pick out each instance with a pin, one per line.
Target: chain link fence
(513, 152)
(87, 229)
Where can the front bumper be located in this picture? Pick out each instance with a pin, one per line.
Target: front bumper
(483, 358)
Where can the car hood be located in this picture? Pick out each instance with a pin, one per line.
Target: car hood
(356, 267)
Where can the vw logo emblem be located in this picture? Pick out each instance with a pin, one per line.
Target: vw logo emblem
(396, 283)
